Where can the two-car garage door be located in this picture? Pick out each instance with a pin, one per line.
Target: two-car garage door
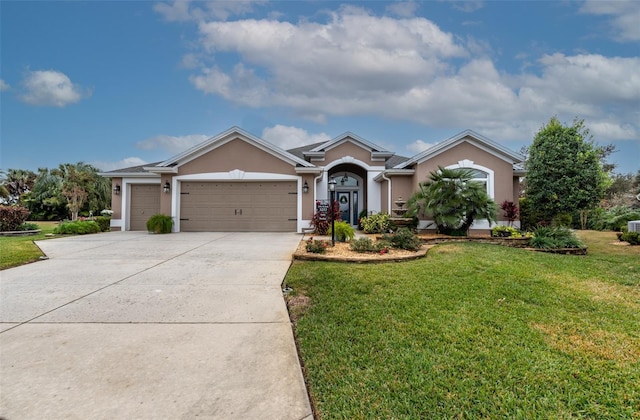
(238, 206)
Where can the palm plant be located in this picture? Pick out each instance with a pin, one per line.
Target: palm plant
(453, 200)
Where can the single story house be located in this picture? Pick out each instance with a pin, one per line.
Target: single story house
(236, 181)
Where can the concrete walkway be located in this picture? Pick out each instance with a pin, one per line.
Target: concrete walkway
(139, 326)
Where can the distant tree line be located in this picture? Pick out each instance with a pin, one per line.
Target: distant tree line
(65, 192)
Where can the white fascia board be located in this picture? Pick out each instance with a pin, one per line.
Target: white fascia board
(161, 170)
(130, 175)
(307, 170)
(344, 137)
(394, 172)
(475, 139)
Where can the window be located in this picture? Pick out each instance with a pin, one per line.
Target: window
(480, 174)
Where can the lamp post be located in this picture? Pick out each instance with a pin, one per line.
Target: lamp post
(332, 190)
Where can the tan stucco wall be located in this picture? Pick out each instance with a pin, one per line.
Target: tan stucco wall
(401, 186)
(165, 198)
(384, 197)
(237, 154)
(503, 171)
(308, 205)
(350, 149)
(116, 200)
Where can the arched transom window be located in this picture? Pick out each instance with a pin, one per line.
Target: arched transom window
(481, 174)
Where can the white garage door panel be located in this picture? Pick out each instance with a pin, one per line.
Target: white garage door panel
(238, 206)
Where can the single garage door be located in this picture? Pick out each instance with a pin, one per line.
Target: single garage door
(145, 202)
(238, 206)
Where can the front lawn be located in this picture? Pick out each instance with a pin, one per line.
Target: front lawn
(18, 250)
(474, 331)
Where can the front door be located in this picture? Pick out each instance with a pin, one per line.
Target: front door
(348, 201)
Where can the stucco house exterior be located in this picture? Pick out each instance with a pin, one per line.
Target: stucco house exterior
(236, 181)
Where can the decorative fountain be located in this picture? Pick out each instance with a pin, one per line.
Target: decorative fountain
(400, 220)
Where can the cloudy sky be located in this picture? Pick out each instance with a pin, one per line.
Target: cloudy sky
(123, 83)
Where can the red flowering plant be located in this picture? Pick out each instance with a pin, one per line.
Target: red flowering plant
(316, 246)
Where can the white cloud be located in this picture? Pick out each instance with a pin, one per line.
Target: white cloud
(4, 86)
(625, 15)
(185, 10)
(288, 137)
(408, 69)
(121, 164)
(341, 67)
(51, 88)
(172, 144)
(467, 6)
(419, 146)
(403, 8)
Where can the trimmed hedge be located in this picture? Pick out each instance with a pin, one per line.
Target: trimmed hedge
(78, 227)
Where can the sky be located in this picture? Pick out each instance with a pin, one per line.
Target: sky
(124, 83)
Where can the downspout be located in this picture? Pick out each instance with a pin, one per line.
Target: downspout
(315, 190)
(388, 191)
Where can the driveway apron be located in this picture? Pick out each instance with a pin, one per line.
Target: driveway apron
(139, 326)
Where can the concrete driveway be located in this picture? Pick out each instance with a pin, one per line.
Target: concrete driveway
(139, 326)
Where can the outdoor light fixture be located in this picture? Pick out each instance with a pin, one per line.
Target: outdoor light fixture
(344, 179)
(166, 187)
(332, 189)
(116, 190)
(305, 187)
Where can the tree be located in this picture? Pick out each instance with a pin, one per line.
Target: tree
(45, 200)
(83, 188)
(564, 171)
(17, 182)
(453, 200)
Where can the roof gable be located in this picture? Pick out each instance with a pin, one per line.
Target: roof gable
(471, 137)
(377, 152)
(233, 133)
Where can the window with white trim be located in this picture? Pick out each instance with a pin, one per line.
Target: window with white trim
(481, 174)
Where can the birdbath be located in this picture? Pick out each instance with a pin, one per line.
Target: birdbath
(400, 210)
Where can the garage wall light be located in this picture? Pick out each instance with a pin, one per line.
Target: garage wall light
(305, 187)
(116, 190)
(166, 187)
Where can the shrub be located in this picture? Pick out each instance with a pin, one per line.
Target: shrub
(78, 227)
(616, 218)
(510, 211)
(11, 217)
(322, 222)
(160, 223)
(404, 239)
(344, 231)
(375, 223)
(505, 232)
(104, 222)
(28, 226)
(632, 237)
(363, 245)
(562, 219)
(316, 246)
(554, 237)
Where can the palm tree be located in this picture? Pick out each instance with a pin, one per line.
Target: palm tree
(18, 182)
(453, 200)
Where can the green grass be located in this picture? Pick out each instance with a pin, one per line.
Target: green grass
(474, 331)
(18, 250)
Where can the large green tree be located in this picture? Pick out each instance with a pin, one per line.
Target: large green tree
(453, 200)
(45, 201)
(564, 171)
(83, 188)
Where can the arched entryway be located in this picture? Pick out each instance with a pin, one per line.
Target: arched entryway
(350, 191)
